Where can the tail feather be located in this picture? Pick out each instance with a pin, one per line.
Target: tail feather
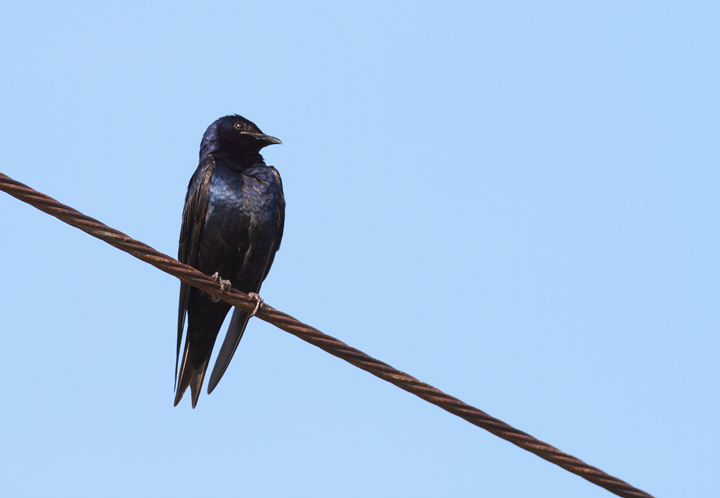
(190, 376)
(197, 381)
(232, 339)
(186, 374)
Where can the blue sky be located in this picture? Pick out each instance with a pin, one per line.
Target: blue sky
(516, 202)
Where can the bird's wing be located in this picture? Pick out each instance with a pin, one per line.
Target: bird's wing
(196, 204)
(280, 227)
(240, 318)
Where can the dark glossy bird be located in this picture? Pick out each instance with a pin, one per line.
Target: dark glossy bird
(232, 226)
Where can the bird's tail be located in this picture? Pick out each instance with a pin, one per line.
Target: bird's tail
(232, 339)
(190, 376)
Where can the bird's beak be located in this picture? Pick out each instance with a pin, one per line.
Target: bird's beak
(264, 139)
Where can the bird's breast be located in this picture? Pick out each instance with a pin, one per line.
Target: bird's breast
(243, 216)
(255, 193)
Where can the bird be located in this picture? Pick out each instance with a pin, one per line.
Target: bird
(232, 225)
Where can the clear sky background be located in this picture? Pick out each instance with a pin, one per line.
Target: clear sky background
(516, 202)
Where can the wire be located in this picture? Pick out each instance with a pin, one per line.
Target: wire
(310, 334)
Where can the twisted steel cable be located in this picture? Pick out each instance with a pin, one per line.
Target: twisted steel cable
(315, 337)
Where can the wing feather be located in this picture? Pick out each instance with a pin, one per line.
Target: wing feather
(196, 205)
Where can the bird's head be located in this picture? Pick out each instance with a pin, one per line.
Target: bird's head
(234, 133)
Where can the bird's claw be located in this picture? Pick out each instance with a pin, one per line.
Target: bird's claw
(224, 285)
(258, 304)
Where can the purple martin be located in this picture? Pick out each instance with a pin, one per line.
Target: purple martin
(232, 225)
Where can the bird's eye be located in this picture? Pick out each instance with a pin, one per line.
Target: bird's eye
(240, 126)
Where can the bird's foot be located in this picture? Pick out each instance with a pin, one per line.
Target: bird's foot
(258, 303)
(224, 285)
